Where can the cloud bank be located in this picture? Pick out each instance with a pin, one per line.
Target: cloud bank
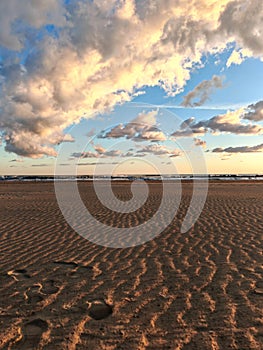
(150, 149)
(240, 149)
(62, 61)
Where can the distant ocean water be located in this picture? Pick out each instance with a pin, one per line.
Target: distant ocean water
(221, 177)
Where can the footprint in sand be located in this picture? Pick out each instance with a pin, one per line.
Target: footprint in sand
(75, 269)
(49, 287)
(19, 274)
(37, 292)
(70, 264)
(33, 295)
(99, 309)
(32, 333)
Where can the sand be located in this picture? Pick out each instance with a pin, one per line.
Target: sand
(202, 289)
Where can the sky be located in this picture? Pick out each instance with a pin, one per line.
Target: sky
(131, 87)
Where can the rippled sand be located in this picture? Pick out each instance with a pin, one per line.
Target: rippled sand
(197, 290)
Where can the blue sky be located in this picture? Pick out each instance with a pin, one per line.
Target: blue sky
(106, 87)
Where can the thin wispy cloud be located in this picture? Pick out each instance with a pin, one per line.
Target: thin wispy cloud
(202, 92)
(17, 160)
(210, 107)
(39, 165)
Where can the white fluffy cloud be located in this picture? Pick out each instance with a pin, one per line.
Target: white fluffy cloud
(101, 54)
(16, 16)
(159, 150)
(231, 122)
(254, 112)
(141, 128)
(238, 56)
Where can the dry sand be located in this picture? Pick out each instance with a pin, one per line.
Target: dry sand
(199, 290)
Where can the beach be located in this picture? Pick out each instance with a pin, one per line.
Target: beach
(202, 289)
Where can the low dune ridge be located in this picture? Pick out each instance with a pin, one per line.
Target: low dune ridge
(202, 289)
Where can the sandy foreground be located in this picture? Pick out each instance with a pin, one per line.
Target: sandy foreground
(202, 289)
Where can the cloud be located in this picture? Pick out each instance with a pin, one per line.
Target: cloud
(100, 152)
(85, 155)
(92, 163)
(185, 124)
(226, 157)
(39, 165)
(225, 124)
(154, 149)
(91, 133)
(159, 150)
(141, 128)
(243, 20)
(237, 57)
(112, 153)
(98, 163)
(202, 91)
(16, 160)
(230, 122)
(187, 129)
(26, 144)
(199, 142)
(190, 132)
(23, 145)
(99, 149)
(102, 53)
(17, 16)
(254, 112)
(240, 149)
(128, 154)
